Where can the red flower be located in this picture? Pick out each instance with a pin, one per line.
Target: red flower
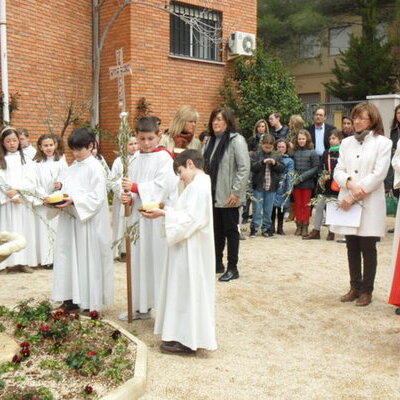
(25, 352)
(45, 328)
(88, 389)
(25, 344)
(94, 315)
(16, 359)
(91, 353)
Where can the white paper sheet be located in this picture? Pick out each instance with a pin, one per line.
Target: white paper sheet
(337, 216)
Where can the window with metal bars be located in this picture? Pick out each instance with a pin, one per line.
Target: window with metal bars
(195, 32)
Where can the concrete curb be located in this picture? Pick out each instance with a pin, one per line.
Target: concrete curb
(135, 387)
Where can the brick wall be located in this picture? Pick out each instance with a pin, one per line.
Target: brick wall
(165, 82)
(50, 53)
(49, 60)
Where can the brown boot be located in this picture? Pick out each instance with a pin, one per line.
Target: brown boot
(351, 295)
(291, 213)
(331, 236)
(298, 229)
(313, 235)
(364, 300)
(304, 230)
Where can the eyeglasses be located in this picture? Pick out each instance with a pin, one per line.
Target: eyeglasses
(361, 119)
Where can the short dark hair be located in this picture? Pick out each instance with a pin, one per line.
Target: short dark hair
(228, 117)
(190, 154)
(268, 139)
(148, 124)
(81, 138)
(336, 133)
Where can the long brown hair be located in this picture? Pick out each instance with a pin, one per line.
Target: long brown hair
(40, 156)
(7, 131)
(309, 144)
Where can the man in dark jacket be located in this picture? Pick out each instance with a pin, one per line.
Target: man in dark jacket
(320, 131)
(266, 167)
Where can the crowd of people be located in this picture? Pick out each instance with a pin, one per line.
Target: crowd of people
(184, 226)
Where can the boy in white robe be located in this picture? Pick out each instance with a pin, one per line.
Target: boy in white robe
(186, 308)
(83, 265)
(151, 179)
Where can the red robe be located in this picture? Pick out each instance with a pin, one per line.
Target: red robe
(394, 297)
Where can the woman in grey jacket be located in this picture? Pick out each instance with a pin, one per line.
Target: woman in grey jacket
(306, 162)
(228, 164)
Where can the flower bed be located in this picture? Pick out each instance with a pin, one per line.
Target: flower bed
(62, 356)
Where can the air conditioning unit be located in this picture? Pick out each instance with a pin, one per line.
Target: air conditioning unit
(241, 44)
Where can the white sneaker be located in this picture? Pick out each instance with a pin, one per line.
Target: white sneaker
(136, 315)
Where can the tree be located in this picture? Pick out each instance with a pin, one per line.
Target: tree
(282, 23)
(259, 86)
(367, 67)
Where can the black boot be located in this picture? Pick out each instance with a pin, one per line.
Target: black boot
(279, 231)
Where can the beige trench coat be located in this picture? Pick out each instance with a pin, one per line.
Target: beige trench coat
(367, 164)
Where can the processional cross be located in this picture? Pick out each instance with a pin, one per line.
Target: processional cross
(119, 72)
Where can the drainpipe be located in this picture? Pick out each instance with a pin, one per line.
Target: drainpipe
(4, 64)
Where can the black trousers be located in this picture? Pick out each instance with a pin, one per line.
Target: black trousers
(358, 246)
(226, 221)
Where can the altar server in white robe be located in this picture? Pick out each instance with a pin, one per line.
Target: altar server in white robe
(49, 169)
(27, 148)
(83, 265)
(186, 309)
(118, 209)
(17, 180)
(151, 178)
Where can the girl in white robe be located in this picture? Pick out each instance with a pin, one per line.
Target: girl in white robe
(118, 209)
(186, 308)
(83, 265)
(17, 173)
(49, 169)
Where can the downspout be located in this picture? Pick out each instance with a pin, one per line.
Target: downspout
(4, 63)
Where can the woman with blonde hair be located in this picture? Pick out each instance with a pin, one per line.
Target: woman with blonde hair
(260, 129)
(296, 123)
(180, 135)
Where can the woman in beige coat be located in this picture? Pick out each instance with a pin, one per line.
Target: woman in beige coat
(180, 135)
(363, 163)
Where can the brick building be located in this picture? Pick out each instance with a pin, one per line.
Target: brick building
(50, 59)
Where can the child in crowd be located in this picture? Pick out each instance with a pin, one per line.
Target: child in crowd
(118, 209)
(186, 308)
(265, 167)
(16, 213)
(285, 187)
(27, 148)
(151, 178)
(83, 265)
(306, 163)
(326, 186)
(49, 169)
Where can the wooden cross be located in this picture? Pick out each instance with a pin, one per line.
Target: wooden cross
(119, 71)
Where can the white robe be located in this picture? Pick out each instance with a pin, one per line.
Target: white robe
(18, 218)
(367, 165)
(83, 265)
(118, 209)
(154, 174)
(29, 152)
(47, 173)
(186, 308)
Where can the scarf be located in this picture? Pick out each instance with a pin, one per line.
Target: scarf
(183, 139)
(211, 166)
(360, 136)
(334, 148)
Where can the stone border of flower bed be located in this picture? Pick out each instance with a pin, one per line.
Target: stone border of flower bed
(135, 387)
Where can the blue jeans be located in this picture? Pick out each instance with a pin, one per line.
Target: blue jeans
(262, 210)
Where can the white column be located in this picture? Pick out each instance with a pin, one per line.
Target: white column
(4, 63)
(386, 104)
